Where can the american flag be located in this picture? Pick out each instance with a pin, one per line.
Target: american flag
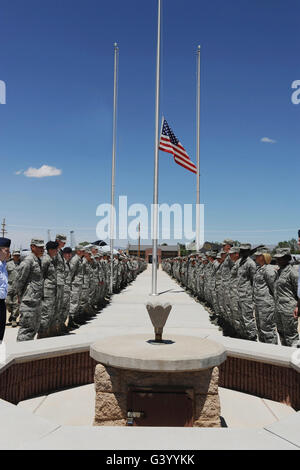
(169, 143)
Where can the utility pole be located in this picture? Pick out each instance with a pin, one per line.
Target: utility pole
(72, 239)
(3, 228)
(139, 251)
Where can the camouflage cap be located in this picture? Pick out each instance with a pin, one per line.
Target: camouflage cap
(79, 247)
(228, 241)
(16, 253)
(262, 250)
(37, 242)
(280, 252)
(219, 256)
(245, 246)
(234, 249)
(213, 254)
(60, 237)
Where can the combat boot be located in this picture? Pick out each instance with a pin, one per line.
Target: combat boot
(72, 325)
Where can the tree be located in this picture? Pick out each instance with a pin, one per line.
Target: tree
(183, 250)
(84, 243)
(292, 244)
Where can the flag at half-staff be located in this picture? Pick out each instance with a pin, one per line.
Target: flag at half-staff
(170, 143)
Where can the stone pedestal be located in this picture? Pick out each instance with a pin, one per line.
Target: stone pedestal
(186, 364)
(112, 386)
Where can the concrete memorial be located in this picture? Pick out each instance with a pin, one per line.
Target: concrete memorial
(141, 381)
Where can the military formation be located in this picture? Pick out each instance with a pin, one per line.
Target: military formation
(55, 289)
(249, 294)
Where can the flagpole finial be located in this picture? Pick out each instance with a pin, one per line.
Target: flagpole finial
(116, 44)
(199, 47)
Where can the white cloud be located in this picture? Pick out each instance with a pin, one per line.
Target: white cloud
(267, 140)
(42, 172)
(19, 172)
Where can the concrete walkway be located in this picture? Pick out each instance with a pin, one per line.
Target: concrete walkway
(126, 313)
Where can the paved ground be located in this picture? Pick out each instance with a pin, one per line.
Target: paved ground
(127, 314)
(75, 407)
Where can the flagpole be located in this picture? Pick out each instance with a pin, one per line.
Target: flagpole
(112, 209)
(198, 153)
(155, 189)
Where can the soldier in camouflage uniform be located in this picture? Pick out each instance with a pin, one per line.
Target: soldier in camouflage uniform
(105, 276)
(76, 285)
(206, 276)
(94, 279)
(234, 254)
(48, 313)
(98, 274)
(201, 270)
(12, 303)
(285, 295)
(227, 323)
(85, 308)
(61, 275)
(218, 308)
(67, 252)
(245, 275)
(212, 282)
(263, 295)
(29, 288)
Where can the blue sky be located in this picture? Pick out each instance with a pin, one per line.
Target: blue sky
(57, 62)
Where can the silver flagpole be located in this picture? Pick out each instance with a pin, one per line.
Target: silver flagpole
(112, 209)
(198, 155)
(155, 189)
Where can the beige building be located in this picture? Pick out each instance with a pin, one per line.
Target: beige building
(163, 251)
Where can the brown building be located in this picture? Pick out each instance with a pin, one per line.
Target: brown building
(163, 252)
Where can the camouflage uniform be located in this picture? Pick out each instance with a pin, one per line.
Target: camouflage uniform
(218, 292)
(67, 296)
(263, 296)
(61, 275)
(12, 303)
(48, 313)
(29, 287)
(245, 275)
(207, 275)
(214, 300)
(285, 294)
(224, 292)
(84, 308)
(233, 295)
(76, 277)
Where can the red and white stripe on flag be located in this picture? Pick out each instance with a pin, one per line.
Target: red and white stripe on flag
(170, 144)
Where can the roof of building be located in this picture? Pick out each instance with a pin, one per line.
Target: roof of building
(148, 247)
